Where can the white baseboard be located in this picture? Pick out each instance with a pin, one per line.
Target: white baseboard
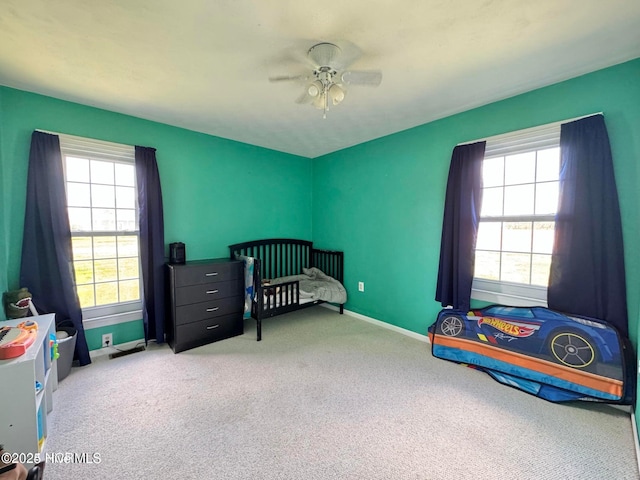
(101, 352)
(404, 331)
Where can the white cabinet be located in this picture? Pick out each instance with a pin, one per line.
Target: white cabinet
(23, 409)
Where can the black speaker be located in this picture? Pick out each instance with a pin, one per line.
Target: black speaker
(177, 253)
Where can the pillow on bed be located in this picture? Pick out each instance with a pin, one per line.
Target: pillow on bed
(249, 290)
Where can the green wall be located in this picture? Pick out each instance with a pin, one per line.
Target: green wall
(382, 201)
(211, 186)
(122, 333)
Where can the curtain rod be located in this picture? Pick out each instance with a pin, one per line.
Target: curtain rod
(560, 122)
(82, 138)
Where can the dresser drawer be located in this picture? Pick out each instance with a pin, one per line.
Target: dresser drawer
(207, 331)
(214, 308)
(208, 273)
(208, 291)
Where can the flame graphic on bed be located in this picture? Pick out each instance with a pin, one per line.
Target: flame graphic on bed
(510, 328)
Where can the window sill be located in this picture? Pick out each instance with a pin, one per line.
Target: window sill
(504, 293)
(115, 319)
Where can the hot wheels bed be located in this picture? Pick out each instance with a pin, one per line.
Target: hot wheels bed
(552, 355)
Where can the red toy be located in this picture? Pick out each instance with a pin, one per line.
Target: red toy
(14, 341)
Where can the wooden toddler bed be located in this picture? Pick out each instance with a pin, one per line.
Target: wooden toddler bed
(275, 270)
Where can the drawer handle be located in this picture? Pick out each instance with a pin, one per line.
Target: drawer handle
(212, 309)
(212, 274)
(212, 291)
(212, 327)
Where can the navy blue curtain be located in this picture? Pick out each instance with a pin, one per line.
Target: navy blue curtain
(587, 268)
(46, 268)
(460, 226)
(151, 242)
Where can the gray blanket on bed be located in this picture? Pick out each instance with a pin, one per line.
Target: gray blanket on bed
(315, 284)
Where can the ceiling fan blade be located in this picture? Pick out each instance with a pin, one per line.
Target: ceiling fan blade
(289, 78)
(362, 77)
(349, 54)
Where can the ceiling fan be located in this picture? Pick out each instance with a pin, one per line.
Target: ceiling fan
(327, 83)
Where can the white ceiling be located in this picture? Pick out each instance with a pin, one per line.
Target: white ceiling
(204, 64)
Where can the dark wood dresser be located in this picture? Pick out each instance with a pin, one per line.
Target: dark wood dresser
(205, 302)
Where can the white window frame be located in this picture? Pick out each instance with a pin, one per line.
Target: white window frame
(521, 141)
(117, 153)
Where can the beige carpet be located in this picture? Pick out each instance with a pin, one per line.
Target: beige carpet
(323, 396)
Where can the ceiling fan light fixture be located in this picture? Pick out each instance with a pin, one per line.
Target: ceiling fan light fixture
(320, 101)
(336, 94)
(323, 54)
(315, 88)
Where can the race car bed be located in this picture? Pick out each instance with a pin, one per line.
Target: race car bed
(554, 356)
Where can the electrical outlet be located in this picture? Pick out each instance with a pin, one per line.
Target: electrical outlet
(107, 340)
(361, 286)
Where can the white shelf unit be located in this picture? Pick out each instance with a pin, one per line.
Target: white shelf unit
(23, 411)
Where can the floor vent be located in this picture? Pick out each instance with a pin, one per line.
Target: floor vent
(122, 353)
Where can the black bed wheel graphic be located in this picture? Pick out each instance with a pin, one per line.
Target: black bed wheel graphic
(572, 349)
(452, 326)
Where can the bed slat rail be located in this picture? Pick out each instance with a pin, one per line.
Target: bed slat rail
(282, 257)
(330, 262)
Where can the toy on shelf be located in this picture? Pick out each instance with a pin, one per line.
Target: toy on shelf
(14, 341)
(53, 343)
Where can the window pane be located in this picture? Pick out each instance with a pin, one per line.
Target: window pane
(128, 246)
(487, 265)
(84, 271)
(540, 266)
(518, 200)
(520, 168)
(104, 219)
(125, 197)
(106, 293)
(106, 270)
(547, 197)
(489, 236)
(102, 199)
(515, 267)
(126, 220)
(79, 219)
(493, 172)
(543, 235)
(103, 196)
(129, 290)
(77, 169)
(81, 247)
(125, 175)
(102, 172)
(85, 295)
(128, 268)
(548, 167)
(78, 195)
(104, 247)
(491, 202)
(516, 236)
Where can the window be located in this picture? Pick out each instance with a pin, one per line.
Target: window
(103, 216)
(517, 219)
